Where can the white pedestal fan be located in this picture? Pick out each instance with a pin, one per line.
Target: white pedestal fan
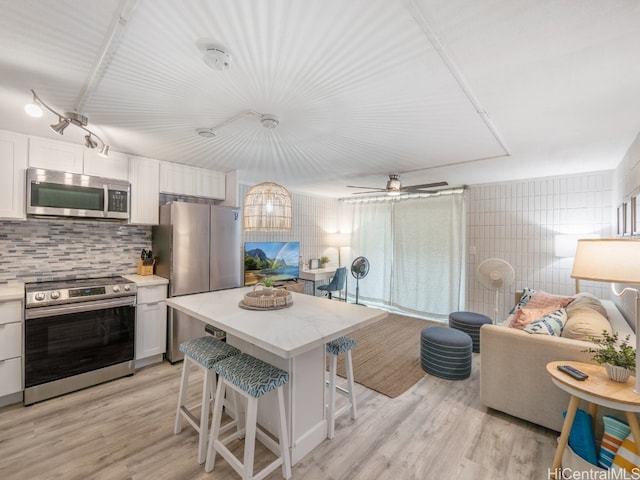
(495, 274)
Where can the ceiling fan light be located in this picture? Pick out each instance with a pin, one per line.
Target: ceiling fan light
(58, 128)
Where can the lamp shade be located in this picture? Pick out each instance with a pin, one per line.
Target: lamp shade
(267, 206)
(607, 260)
(339, 239)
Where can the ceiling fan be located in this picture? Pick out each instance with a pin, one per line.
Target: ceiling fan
(394, 187)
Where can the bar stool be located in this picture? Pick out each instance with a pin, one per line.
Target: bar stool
(334, 348)
(203, 352)
(252, 378)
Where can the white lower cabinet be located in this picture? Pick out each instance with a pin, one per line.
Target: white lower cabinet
(10, 350)
(151, 324)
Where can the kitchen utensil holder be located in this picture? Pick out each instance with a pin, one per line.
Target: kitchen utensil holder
(145, 269)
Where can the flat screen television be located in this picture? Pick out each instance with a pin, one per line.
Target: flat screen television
(276, 260)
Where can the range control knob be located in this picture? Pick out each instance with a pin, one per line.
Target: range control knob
(127, 288)
(55, 295)
(39, 296)
(116, 288)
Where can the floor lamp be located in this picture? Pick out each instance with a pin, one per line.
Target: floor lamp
(613, 260)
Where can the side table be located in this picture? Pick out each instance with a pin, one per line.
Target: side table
(597, 390)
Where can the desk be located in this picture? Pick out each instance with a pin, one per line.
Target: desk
(597, 390)
(292, 339)
(316, 274)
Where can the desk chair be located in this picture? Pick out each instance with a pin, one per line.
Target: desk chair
(337, 282)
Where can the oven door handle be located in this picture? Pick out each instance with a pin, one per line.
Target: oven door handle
(41, 312)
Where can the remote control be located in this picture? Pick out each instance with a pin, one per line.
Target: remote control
(574, 372)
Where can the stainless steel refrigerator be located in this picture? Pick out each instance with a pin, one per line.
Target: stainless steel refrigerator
(199, 250)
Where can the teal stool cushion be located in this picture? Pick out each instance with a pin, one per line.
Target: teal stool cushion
(207, 350)
(340, 345)
(251, 374)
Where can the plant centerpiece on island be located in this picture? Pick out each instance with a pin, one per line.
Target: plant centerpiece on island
(267, 286)
(619, 358)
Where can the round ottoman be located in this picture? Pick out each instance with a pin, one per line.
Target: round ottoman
(469, 323)
(445, 352)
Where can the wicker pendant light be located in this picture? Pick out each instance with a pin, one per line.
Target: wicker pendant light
(267, 206)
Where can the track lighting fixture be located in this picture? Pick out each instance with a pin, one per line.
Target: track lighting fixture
(34, 109)
(60, 126)
(268, 120)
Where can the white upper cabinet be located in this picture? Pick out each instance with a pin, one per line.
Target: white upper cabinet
(55, 155)
(72, 158)
(13, 159)
(116, 165)
(144, 175)
(180, 179)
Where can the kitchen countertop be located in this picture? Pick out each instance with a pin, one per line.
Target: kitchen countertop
(146, 280)
(308, 323)
(12, 291)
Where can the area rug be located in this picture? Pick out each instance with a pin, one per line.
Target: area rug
(387, 357)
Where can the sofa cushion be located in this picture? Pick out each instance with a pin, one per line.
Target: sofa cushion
(586, 300)
(581, 438)
(584, 323)
(550, 324)
(627, 457)
(615, 431)
(527, 293)
(542, 299)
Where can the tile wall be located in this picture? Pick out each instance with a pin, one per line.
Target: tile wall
(518, 221)
(313, 218)
(43, 249)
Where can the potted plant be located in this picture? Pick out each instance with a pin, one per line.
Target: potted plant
(619, 358)
(267, 286)
(324, 261)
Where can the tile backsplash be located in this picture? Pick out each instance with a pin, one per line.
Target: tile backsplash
(64, 248)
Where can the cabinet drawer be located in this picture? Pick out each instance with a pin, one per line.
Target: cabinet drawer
(152, 294)
(10, 376)
(10, 340)
(11, 311)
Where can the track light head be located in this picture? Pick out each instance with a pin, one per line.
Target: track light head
(34, 109)
(90, 142)
(104, 151)
(58, 128)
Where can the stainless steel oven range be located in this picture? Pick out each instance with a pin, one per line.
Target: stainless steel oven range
(78, 333)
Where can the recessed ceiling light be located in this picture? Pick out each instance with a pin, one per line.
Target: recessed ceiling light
(216, 57)
(206, 132)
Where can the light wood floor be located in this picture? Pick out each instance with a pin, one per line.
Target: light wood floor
(124, 430)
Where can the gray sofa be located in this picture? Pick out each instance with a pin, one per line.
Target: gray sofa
(513, 376)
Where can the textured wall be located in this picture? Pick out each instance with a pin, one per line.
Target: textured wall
(517, 222)
(47, 249)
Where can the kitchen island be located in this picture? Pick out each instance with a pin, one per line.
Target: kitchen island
(292, 339)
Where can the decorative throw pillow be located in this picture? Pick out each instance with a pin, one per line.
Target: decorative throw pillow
(627, 457)
(615, 431)
(584, 323)
(550, 324)
(524, 316)
(527, 293)
(542, 299)
(581, 438)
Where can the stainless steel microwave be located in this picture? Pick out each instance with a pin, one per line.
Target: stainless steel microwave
(74, 195)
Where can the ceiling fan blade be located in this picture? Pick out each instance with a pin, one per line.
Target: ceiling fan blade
(425, 185)
(370, 191)
(368, 188)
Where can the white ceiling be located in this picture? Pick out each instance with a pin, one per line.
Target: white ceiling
(465, 91)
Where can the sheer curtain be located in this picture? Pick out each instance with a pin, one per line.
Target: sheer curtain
(417, 250)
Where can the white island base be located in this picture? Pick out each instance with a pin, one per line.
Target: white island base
(292, 339)
(304, 397)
